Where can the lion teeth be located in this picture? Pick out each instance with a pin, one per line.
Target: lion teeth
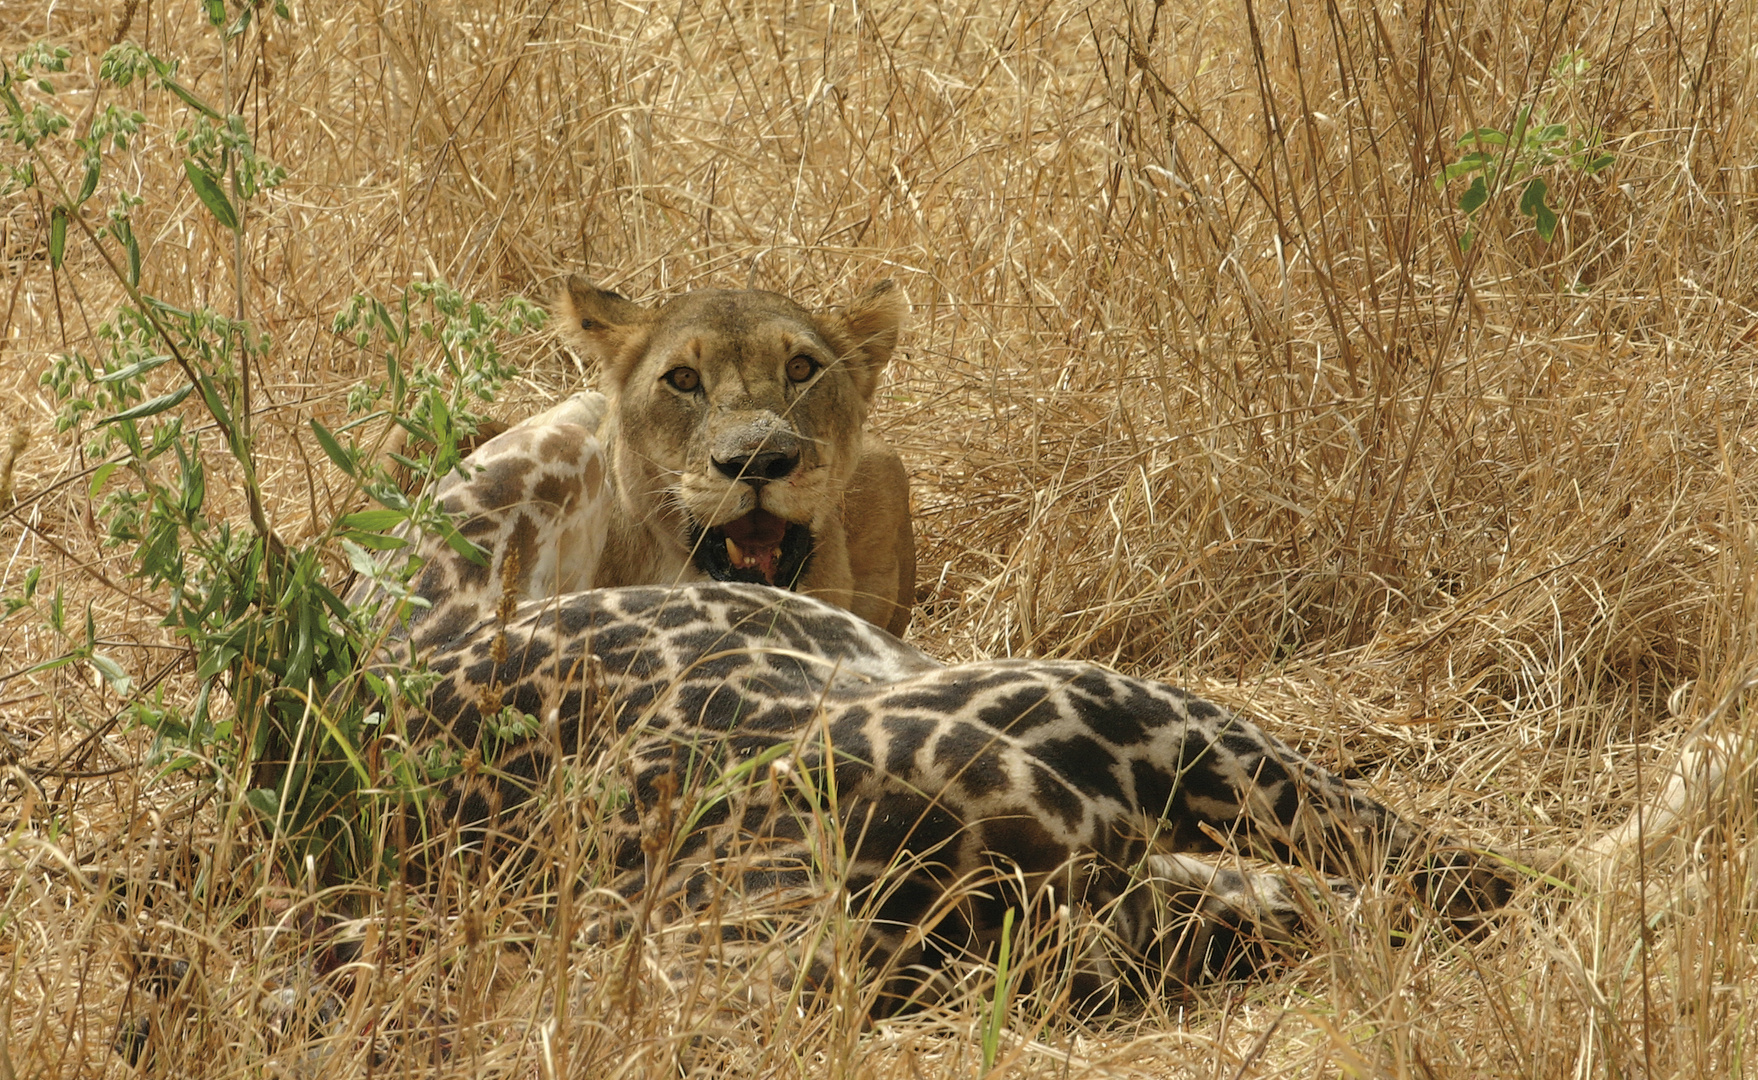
(739, 557)
(760, 558)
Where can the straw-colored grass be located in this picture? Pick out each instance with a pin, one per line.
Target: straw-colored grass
(1199, 383)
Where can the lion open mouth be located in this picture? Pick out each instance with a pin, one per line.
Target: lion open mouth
(759, 548)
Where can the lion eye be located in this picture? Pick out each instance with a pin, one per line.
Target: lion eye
(801, 368)
(683, 379)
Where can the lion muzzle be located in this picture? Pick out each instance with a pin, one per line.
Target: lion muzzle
(760, 547)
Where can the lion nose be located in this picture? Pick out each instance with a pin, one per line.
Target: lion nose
(759, 468)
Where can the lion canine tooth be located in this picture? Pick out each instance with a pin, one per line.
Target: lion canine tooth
(733, 553)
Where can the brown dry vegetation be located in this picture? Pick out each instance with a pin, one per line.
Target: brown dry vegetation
(1199, 383)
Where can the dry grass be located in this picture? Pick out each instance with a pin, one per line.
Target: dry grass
(1199, 384)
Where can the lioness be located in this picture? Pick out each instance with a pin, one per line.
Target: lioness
(736, 445)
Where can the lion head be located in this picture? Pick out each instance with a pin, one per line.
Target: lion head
(736, 423)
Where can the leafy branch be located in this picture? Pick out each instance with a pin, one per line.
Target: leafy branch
(1523, 156)
(264, 618)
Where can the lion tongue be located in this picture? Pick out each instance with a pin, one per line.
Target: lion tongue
(755, 541)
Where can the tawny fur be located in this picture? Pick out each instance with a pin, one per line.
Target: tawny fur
(667, 447)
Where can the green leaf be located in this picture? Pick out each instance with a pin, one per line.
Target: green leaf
(112, 673)
(130, 371)
(1475, 195)
(461, 544)
(332, 448)
(1533, 196)
(50, 665)
(175, 765)
(193, 480)
(1547, 222)
(330, 600)
(149, 408)
(357, 421)
(102, 474)
(215, 402)
(300, 656)
(216, 661)
(212, 196)
(1533, 205)
(90, 183)
(998, 1005)
(359, 558)
(57, 236)
(169, 311)
(374, 520)
(382, 316)
(189, 98)
(389, 496)
(1552, 132)
(1600, 162)
(376, 541)
(441, 413)
(1489, 136)
(1470, 163)
(265, 801)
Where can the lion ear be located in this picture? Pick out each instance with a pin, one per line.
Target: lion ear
(596, 321)
(865, 332)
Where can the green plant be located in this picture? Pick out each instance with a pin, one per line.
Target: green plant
(1528, 152)
(271, 641)
(997, 1018)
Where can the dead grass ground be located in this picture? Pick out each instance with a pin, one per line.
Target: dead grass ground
(1199, 383)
